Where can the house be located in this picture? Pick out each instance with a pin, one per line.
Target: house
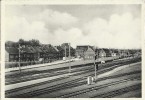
(11, 54)
(134, 52)
(101, 53)
(114, 52)
(108, 52)
(60, 52)
(137, 53)
(56, 53)
(50, 53)
(123, 53)
(43, 52)
(38, 53)
(80, 51)
(104, 52)
(85, 52)
(53, 51)
(46, 54)
(28, 53)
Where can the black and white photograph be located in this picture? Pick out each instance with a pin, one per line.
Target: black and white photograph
(73, 50)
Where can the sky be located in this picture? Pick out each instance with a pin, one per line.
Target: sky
(100, 25)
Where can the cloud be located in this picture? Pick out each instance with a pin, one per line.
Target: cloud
(19, 27)
(120, 31)
(38, 25)
(54, 19)
(57, 18)
(72, 35)
(54, 27)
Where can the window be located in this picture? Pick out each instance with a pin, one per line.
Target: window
(16, 56)
(11, 56)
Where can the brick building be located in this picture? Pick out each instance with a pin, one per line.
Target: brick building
(85, 52)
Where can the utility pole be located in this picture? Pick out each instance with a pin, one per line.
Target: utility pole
(19, 60)
(113, 54)
(95, 69)
(69, 60)
(95, 57)
(65, 52)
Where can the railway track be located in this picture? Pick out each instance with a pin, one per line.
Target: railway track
(43, 83)
(82, 76)
(118, 92)
(55, 73)
(46, 74)
(38, 76)
(110, 94)
(70, 84)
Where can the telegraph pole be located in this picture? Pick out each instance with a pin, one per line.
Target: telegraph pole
(95, 63)
(113, 54)
(65, 52)
(69, 60)
(95, 70)
(96, 56)
(19, 60)
(65, 55)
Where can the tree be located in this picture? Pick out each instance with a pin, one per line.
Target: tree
(8, 44)
(21, 42)
(11, 44)
(34, 42)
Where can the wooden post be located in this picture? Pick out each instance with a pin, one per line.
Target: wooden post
(65, 52)
(95, 63)
(95, 71)
(69, 60)
(19, 60)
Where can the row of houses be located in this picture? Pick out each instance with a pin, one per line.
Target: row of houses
(45, 52)
(89, 52)
(50, 53)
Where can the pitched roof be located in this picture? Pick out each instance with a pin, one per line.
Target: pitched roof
(132, 51)
(44, 49)
(50, 49)
(38, 49)
(32, 49)
(55, 48)
(28, 49)
(106, 50)
(92, 48)
(97, 50)
(59, 48)
(84, 48)
(114, 50)
(12, 50)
